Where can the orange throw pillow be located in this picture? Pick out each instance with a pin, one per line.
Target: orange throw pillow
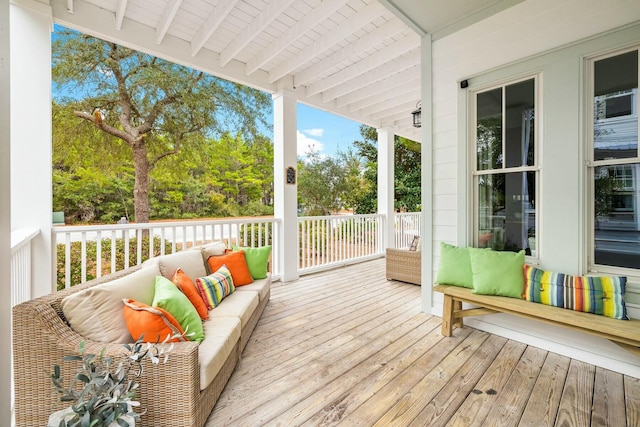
(152, 322)
(186, 285)
(237, 265)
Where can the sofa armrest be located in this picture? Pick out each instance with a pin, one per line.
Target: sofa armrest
(41, 338)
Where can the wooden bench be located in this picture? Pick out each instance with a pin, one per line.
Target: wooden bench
(625, 333)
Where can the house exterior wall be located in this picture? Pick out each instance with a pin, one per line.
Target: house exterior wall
(550, 39)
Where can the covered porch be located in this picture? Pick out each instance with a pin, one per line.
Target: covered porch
(348, 347)
(371, 61)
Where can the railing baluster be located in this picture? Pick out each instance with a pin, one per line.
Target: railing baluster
(67, 261)
(83, 249)
(99, 254)
(126, 236)
(114, 247)
(139, 247)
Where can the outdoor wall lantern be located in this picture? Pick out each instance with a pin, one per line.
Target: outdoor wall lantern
(417, 115)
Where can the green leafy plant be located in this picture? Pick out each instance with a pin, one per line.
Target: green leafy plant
(103, 390)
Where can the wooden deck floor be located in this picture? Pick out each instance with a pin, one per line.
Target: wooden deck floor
(347, 347)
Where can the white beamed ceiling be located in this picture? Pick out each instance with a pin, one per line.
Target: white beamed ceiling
(359, 59)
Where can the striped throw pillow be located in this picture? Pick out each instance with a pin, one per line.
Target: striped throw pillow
(215, 287)
(603, 295)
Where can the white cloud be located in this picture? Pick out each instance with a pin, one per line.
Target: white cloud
(306, 144)
(313, 132)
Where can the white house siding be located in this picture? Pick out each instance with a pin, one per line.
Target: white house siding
(551, 38)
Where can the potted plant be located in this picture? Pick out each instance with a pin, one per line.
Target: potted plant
(102, 392)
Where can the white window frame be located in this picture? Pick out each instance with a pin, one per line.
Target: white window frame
(632, 274)
(473, 154)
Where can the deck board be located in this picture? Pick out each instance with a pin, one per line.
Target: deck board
(348, 347)
(542, 407)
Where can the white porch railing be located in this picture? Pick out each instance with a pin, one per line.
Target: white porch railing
(329, 241)
(407, 225)
(20, 279)
(323, 242)
(125, 245)
(21, 265)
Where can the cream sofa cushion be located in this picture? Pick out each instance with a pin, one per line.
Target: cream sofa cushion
(96, 313)
(189, 261)
(210, 249)
(238, 304)
(261, 286)
(221, 335)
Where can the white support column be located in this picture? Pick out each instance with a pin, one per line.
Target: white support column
(5, 216)
(285, 155)
(31, 200)
(386, 183)
(427, 174)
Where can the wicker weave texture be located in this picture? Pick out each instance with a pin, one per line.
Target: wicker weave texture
(404, 265)
(170, 393)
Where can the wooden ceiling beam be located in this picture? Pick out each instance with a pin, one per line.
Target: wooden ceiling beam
(372, 39)
(384, 90)
(211, 24)
(166, 19)
(396, 109)
(392, 101)
(121, 9)
(409, 75)
(313, 18)
(395, 49)
(364, 17)
(253, 30)
(409, 60)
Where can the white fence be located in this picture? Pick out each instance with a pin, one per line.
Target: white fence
(323, 242)
(21, 265)
(327, 241)
(407, 225)
(125, 245)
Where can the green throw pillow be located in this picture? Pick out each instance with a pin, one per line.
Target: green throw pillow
(168, 297)
(257, 260)
(497, 273)
(455, 266)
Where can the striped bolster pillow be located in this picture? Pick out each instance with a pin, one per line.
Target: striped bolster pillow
(602, 295)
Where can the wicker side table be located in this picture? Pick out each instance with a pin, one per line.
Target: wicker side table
(404, 265)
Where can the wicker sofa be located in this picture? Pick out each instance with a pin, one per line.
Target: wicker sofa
(172, 394)
(403, 265)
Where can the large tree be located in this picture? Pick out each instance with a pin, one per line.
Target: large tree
(326, 184)
(155, 107)
(94, 180)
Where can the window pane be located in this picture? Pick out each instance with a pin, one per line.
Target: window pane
(507, 216)
(617, 221)
(489, 129)
(520, 104)
(615, 107)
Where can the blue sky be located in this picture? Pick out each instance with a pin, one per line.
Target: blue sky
(325, 132)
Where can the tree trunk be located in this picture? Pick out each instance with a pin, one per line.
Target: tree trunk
(141, 186)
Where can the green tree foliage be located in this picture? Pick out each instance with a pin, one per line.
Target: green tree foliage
(93, 182)
(407, 173)
(147, 109)
(326, 184)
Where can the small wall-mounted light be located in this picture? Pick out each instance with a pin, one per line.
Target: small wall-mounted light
(417, 115)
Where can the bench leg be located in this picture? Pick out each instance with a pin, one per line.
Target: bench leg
(457, 307)
(447, 316)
